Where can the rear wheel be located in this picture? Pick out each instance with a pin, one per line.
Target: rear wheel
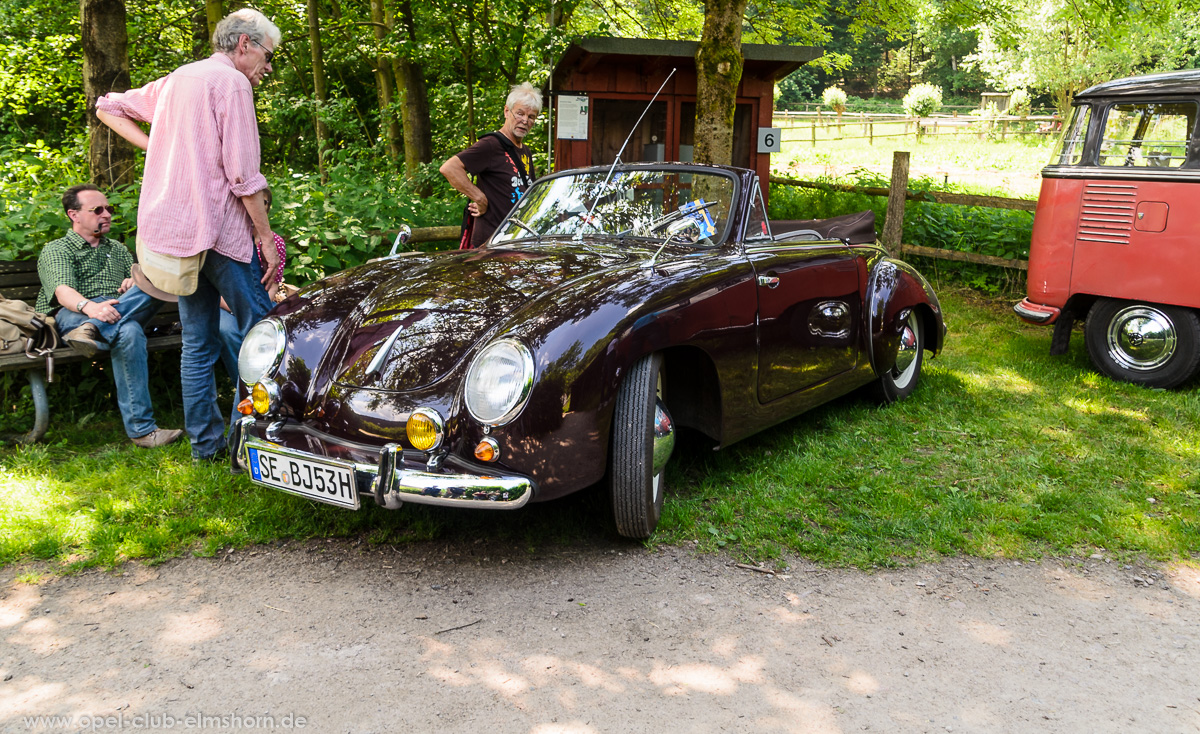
(1143, 343)
(899, 382)
(643, 437)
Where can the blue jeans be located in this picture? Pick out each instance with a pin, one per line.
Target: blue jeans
(200, 315)
(126, 339)
(231, 344)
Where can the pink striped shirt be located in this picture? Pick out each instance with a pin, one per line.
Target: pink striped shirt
(203, 156)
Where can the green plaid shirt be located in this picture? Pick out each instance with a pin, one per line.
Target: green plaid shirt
(93, 271)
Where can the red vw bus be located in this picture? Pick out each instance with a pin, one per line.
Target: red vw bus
(1116, 237)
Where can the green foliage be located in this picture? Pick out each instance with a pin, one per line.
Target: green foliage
(1060, 47)
(923, 100)
(337, 225)
(795, 89)
(1002, 233)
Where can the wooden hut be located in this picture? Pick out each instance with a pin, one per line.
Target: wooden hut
(601, 86)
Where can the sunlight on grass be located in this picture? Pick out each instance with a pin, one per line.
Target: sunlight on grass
(1004, 380)
(1095, 407)
(1002, 451)
(948, 152)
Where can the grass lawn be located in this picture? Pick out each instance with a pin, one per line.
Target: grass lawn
(1002, 451)
(964, 159)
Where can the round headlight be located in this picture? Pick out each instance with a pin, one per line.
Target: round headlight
(262, 350)
(499, 381)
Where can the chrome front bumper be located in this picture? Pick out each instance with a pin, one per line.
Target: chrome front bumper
(1036, 313)
(389, 483)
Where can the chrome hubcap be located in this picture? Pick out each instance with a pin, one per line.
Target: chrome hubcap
(906, 355)
(663, 443)
(1141, 338)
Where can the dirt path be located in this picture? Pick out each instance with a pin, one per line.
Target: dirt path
(482, 638)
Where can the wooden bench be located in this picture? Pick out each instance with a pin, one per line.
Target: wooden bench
(19, 280)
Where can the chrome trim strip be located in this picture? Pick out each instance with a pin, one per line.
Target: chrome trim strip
(1100, 239)
(788, 247)
(1183, 175)
(382, 355)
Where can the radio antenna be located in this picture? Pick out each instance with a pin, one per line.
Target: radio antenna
(617, 160)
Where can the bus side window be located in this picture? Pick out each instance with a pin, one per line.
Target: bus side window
(1147, 134)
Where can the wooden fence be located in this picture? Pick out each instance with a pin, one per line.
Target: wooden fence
(897, 193)
(804, 126)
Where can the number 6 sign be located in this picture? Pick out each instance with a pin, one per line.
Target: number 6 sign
(769, 139)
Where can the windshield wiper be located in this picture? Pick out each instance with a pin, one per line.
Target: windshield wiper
(526, 227)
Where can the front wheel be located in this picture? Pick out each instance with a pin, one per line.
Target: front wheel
(1144, 343)
(643, 437)
(899, 382)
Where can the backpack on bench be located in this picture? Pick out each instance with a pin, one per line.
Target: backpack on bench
(25, 331)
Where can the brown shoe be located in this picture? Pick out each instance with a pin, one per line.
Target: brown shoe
(158, 437)
(85, 338)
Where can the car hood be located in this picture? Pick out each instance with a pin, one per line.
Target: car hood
(424, 316)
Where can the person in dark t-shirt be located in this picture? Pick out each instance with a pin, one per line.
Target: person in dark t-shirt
(500, 162)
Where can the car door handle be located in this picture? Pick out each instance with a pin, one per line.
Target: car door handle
(769, 281)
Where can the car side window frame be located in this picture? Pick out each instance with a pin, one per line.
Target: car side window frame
(756, 212)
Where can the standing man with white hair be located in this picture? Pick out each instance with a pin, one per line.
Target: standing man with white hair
(201, 203)
(501, 164)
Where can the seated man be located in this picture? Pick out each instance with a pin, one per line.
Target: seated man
(82, 276)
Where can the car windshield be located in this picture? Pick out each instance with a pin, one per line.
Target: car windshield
(681, 206)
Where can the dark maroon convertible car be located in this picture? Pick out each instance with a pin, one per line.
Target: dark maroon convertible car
(611, 307)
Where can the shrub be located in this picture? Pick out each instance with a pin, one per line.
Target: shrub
(923, 100)
(835, 99)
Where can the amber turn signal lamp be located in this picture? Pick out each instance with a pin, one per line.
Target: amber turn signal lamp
(246, 407)
(487, 449)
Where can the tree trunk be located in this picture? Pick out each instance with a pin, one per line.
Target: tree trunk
(718, 74)
(464, 43)
(105, 69)
(215, 11)
(414, 96)
(389, 127)
(201, 37)
(320, 90)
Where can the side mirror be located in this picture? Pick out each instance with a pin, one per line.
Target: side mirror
(402, 238)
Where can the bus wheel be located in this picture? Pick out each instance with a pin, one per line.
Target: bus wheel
(1143, 343)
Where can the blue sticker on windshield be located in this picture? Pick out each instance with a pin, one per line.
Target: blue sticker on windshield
(698, 210)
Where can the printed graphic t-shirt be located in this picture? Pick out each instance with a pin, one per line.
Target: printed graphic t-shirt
(498, 179)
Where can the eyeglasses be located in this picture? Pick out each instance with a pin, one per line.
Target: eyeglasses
(98, 210)
(268, 54)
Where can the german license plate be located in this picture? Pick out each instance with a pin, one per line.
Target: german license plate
(323, 481)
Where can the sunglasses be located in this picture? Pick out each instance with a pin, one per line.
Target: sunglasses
(98, 210)
(268, 54)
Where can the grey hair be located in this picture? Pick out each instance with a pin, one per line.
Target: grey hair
(524, 94)
(246, 21)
